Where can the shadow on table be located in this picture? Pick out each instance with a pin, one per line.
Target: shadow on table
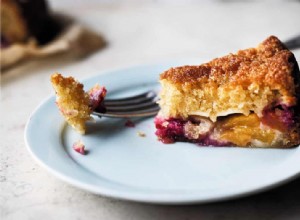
(280, 203)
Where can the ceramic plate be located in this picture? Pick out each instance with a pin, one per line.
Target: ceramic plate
(121, 164)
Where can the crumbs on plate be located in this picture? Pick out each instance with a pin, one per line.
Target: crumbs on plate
(141, 134)
(79, 147)
(129, 124)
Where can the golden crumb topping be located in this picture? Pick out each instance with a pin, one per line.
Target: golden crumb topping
(72, 101)
(269, 64)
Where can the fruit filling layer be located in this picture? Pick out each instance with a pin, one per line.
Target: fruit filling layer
(97, 95)
(235, 129)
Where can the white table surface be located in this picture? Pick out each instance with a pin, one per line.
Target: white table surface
(136, 34)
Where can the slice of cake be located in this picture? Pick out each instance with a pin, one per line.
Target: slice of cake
(74, 103)
(247, 99)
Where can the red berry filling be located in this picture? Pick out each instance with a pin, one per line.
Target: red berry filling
(279, 117)
(97, 95)
(172, 130)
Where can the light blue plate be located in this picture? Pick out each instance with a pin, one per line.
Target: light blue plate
(121, 164)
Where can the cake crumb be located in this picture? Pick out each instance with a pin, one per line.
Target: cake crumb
(129, 124)
(79, 147)
(97, 95)
(141, 134)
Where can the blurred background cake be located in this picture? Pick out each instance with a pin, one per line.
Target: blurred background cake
(22, 20)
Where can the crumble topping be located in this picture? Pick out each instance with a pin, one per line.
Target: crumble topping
(268, 64)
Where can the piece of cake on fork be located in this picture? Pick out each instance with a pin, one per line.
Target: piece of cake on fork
(75, 104)
(247, 99)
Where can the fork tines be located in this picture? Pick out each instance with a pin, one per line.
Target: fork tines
(141, 105)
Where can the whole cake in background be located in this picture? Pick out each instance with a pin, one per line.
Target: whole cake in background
(247, 99)
(23, 20)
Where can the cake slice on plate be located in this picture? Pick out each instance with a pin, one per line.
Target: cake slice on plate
(247, 99)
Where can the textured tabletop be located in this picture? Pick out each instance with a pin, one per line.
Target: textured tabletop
(135, 34)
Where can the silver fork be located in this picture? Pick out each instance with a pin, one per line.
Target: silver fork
(293, 43)
(142, 105)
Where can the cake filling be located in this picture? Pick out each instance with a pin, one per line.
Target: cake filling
(97, 95)
(279, 117)
(235, 129)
